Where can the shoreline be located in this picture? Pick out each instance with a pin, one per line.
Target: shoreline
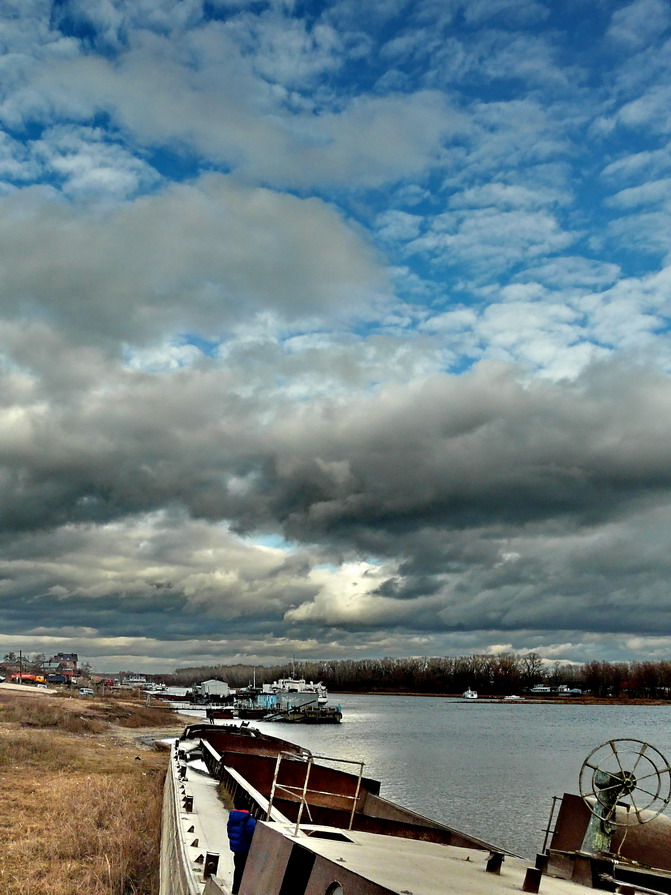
(523, 700)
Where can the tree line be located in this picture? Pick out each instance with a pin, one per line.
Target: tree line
(496, 675)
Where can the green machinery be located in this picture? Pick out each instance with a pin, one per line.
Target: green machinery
(623, 782)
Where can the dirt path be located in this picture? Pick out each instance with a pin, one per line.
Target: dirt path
(148, 737)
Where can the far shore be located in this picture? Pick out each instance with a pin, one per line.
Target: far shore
(525, 699)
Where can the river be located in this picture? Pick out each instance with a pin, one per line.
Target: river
(487, 768)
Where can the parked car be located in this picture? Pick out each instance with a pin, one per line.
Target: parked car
(86, 691)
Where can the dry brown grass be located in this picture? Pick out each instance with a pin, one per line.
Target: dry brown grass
(81, 813)
(79, 715)
(129, 714)
(33, 713)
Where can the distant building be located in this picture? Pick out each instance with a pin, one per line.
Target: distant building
(62, 664)
(214, 688)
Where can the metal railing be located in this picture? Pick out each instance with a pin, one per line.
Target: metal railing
(293, 790)
(550, 830)
(211, 758)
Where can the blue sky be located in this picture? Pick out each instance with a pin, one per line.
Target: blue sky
(334, 330)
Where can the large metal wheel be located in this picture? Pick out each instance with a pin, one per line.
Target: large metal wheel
(628, 775)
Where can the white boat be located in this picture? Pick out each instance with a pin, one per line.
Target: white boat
(285, 685)
(470, 694)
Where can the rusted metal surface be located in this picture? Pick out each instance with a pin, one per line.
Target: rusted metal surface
(494, 862)
(306, 793)
(324, 861)
(226, 736)
(646, 843)
(329, 787)
(211, 864)
(330, 797)
(532, 880)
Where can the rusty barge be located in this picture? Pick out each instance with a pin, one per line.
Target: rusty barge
(323, 828)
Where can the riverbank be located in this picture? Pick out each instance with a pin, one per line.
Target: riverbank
(81, 786)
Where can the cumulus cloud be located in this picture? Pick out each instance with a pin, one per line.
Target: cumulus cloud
(192, 257)
(167, 89)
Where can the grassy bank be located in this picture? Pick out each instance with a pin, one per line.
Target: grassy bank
(81, 797)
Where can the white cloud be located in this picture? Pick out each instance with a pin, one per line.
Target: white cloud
(508, 196)
(112, 20)
(649, 110)
(643, 231)
(491, 240)
(89, 164)
(650, 194)
(637, 165)
(570, 271)
(16, 163)
(538, 335)
(288, 51)
(163, 358)
(166, 90)
(631, 312)
(347, 596)
(193, 258)
(639, 23)
(398, 226)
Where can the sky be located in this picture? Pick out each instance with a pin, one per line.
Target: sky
(335, 330)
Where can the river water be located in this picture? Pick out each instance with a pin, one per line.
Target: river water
(487, 768)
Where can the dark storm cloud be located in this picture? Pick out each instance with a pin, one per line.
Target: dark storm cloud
(463, 452)
(491, 504)
(445, 453)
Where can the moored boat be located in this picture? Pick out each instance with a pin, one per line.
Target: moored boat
(220, 713)
(251, 711)
(288, 685)
(470, 694)
(308, 714)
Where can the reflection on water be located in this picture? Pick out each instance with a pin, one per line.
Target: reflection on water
(490, 769)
